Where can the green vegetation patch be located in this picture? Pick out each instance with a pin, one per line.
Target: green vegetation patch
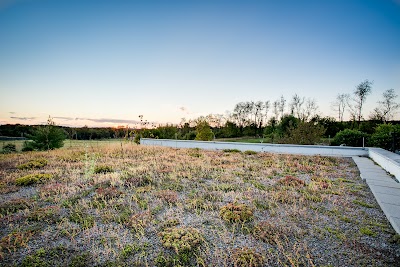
(250, 152)
(59, 256)
(234, 212)
(46, 214)
(33, 179)
(291, 181)
(231, 150)
(103, 169)
(367, 231)
(83, 219)
(181, 239)
(14, 206)
(33, 164)
(245, 257)
(9, 148)
(363, 204)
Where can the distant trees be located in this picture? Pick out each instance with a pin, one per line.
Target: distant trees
(304, 109)
(387, 106)
(279, 121)
(340, 105)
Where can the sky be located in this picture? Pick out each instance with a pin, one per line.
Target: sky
(104, 63)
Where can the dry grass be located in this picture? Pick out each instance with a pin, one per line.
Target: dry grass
(159, 206)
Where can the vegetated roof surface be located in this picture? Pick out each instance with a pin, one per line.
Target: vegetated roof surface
(128, 205)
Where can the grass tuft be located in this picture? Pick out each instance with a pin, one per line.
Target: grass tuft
(32, 179)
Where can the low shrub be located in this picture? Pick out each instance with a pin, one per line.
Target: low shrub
(250, 152)
(383, 136)
(33, 179)
(291, 181)
(349, 137)
(14, 206)
(269, 232)
(48, 214)
(83, 219)
(28, 146)
(136, 181)
(33, 164)
(232, 150)
(246, 257)
(168, 196)
(181, 239)
(103, 169)
(233, 212)
(108, 193)
(9, 148)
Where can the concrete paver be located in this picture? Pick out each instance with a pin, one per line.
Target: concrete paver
(391, 184)
(396, 223)
(385, 189)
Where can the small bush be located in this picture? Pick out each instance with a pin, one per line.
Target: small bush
(246, 257)
(85, 220)
(14, 206)
(33, 179)
(232, 150)
(304, 133)
(28, 146)
(9, 148)
(181, 239)
(108, 193)
(268, 232)
(349, 138)
(291, 181)
(367, 231)
(137, 181)
(48, 214)
(250, 152)
(103, 169)
(15, 240)
(382, 137)
(395, 239)
(33, 164)
(233, 212)
(168, 196)
(363, 204)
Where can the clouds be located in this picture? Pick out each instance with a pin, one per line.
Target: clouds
(101, 120)
(23, 118)
(184, 110)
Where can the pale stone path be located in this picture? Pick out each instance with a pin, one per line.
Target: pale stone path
(385, 189)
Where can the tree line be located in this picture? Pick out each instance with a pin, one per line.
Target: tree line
(295, 120)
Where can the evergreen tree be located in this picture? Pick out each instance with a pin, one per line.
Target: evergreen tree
(47, 137)
(203, 131)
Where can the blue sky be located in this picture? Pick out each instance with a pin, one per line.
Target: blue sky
(106, 62)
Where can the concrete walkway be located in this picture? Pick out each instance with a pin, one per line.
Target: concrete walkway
(385, 189)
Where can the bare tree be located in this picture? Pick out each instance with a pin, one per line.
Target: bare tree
(241, 114)
(276, 109)
(340, 105)
(281, 106)
(310, 110)
(360, 94)
(303, 108)
(387, 107)
(296, 105)
(267, 106)
(258, 108)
